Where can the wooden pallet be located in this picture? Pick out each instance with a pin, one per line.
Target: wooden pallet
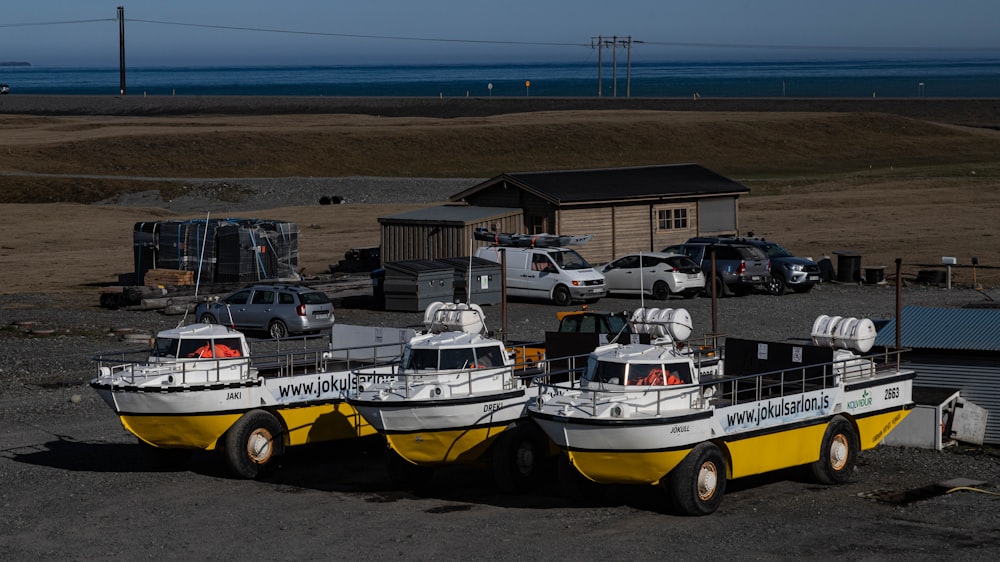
(158, 277)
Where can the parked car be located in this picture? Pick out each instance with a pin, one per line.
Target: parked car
(739, 268)
(279, 310)
(558, 274)
(787, 270)
(656, 274)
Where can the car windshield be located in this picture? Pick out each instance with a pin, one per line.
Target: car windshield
(681, 263)
(750, 253)
(776, 251)
(313, 297)
(569, 259)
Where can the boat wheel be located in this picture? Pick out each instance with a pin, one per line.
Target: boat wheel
(697, 484)
(519, 456)
(838, 453)
(253, 443)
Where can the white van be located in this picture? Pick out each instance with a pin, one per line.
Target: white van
(557, 274)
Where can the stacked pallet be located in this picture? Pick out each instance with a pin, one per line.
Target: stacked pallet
(161, 277)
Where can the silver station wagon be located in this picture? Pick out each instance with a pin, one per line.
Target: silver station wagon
(279, 310)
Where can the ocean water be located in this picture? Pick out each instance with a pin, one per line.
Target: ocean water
(972, 78)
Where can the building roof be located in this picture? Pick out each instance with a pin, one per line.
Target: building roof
(451, 214)
(962, 329)
(605, 184)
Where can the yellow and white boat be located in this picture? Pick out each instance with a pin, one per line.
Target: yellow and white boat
(200, 387)
(458, 397)
(654, 414)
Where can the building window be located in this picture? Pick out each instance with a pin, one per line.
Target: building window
(672, 219)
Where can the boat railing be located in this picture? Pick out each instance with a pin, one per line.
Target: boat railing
(731, 390)
(462, 378)
(137, 364)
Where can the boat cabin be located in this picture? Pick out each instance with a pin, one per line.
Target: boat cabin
(199, 341)
(452, 351)
(641, 365)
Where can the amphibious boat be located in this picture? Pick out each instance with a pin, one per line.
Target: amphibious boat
(201, 387)
(654, 414)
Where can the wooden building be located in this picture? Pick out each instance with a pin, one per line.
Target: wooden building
(444, 231)
(626, 209)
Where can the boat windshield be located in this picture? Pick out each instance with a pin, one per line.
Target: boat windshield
(656, 374)
(604, 372)
(165, 347)
(569, 259)
(416, 359)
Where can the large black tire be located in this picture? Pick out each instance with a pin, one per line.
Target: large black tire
(561, 296)
(775, 285)
(661, 291)
(404, 474)
(518, 458)
(254, 444)
(697, 484)
(838, 453)
(720, 288)
(207, 318)
(277, 329)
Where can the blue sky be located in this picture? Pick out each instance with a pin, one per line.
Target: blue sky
(449, 31)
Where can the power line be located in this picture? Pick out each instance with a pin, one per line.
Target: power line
(362, 36)
(41, 23)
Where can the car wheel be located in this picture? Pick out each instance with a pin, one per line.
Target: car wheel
(207, 318)
(561, 296)
(661, 291)
(720, 287)
(775, 285)
(277, 329)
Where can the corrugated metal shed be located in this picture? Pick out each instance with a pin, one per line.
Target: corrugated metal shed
(962, 329)
(953, 348)
(444, 231)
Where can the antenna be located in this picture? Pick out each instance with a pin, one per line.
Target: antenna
(642, 288)
(201, 259)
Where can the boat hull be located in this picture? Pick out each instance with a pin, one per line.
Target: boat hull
(433, 432)
(311, 408)
(755, 437)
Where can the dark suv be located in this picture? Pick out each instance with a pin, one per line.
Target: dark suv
(279, 310)
(787, 270)
(739, 268)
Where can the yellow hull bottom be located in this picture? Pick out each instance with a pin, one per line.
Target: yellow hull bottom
(745, 457)
(307, 424)
(446, 446)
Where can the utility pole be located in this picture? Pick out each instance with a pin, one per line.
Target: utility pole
(121, 49)
(600, 44)
(614, 42)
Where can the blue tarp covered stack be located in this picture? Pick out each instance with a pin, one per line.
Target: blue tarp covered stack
(225, 250)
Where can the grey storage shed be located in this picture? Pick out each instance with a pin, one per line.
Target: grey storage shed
(485, 287)
(411, 285)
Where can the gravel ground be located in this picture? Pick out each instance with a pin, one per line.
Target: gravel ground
(77, 487)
